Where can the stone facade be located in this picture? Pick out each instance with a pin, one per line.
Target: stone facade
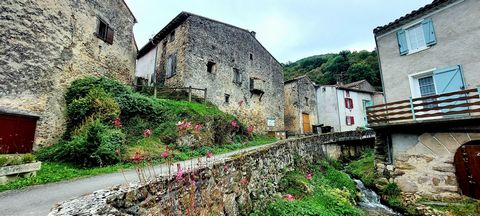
(207, 54)
(48, 44)
(225, 187)
(300, 103)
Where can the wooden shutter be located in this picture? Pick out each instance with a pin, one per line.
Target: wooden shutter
(449, 80)
(110, 34)
(429, 32)
(402, 42)
(348, 103)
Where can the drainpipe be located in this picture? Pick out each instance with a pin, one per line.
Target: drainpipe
(338, 114)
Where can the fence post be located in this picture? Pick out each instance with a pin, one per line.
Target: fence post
(412, 108)
(155, 90)
(478, 90)
(205, 96)
(189, 93)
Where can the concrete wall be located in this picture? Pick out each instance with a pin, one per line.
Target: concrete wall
(423, 163)
(457, 32)
(327, 106)
(296, 104)
(48, 44)
(232, 186)
(199, 40)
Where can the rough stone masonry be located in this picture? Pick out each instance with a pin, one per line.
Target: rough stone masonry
(47, 44)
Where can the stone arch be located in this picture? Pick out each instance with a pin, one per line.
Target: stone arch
(467, 166)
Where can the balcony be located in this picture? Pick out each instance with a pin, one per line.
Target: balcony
(257, 86)
(452, 106)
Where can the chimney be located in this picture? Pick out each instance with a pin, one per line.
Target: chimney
(253, 33)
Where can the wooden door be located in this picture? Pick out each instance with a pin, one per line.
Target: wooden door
(467, 166)
(307, 128)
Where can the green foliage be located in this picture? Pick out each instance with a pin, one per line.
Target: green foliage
(16, 159)
(94, 145)
(329, 192)
(465, 207)
(391, 189)
(345, 66)
(81, 87)
(364, 168)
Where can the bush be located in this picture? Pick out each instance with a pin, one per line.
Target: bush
(364, 168)
(94, 145)
(81, 87)
(391, 189)
(10, 160)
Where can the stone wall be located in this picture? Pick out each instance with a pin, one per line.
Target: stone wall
(232, 186)
(422, 163)
(48, 44)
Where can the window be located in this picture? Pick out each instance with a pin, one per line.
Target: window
(348, 103)
(347, 93)
(210, 67)
(306, 100)
(227, 98)
(172, 36)
(171, 65)
(237, 77)
(104, 32)
(251, 56)
(350, 120)
(416, 37)
(427, 88)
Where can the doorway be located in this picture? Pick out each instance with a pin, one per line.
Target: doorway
(467, 168)
(307, 127)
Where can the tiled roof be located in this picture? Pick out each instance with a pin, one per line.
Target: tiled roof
(413, 15)
(354, 84)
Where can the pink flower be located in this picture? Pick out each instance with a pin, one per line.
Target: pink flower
(198, 127)
(244, 181)
(250, 129)
(309, 175)
(225, 168)
(209, 154)
(240, 103)
(165, 153)
(147, 133)
(179, 175)
(117, 123)
(289, 197)
(184, 125)
(234, 123)
(137, 157)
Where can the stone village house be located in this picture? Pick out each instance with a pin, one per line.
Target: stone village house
(300, 105)
(240, 75)
(343, 107)
(45, 46)
(428, 134)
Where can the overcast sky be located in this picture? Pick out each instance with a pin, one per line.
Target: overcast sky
(289, 29)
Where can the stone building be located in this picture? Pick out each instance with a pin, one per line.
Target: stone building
(428, 132)
(240, 75)
(300, 105)
(343, 107)
(47, 44)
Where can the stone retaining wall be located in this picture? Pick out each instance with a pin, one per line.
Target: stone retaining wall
(231, 186)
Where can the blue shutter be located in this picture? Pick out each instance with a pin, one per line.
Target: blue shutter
(449, 80)
(402, 42)
(429, 32)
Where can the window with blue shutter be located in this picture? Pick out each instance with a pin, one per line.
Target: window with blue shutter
(429, 32)
(449, 80)
(402, 42)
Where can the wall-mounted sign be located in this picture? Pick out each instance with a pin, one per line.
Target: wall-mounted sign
(271, 122)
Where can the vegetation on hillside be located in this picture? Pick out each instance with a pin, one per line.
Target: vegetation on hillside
(318, 190)
(345, 66)
(107, 122)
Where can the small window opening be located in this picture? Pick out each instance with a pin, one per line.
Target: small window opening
(227, 98)
(172, 36)
(251, 56)
(104, 32)
(210, 67)
(237, 78)
(306, 100)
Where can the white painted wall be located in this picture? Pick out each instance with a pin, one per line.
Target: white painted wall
(146, 66)
(327, 106)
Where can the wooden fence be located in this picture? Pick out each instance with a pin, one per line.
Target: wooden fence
(456, 104)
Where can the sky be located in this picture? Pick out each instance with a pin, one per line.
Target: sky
(289, 29)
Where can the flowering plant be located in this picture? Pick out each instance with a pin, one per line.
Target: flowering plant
(289, 197)
(234, 123)
(147, 133)
(117, 122)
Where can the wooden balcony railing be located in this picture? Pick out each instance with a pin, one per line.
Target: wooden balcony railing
(459, 104)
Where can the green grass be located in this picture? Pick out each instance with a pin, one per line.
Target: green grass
(55, 172)
(364, 168)
(464, 207)
(329, 192)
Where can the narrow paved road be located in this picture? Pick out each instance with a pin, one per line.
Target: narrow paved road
(38, 200)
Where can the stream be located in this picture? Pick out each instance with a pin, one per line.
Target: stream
(370, 202)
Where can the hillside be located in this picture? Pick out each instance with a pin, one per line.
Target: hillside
(345, 66)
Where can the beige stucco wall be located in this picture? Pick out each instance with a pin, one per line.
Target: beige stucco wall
(48, 44)
(457, 31)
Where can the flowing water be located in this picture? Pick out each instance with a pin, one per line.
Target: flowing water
(370, 202)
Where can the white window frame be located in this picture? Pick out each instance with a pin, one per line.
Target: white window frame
(414, 85)
(407, 29)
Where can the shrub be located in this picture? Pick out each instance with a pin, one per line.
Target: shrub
(391, 189)
(94, 145)
(80, 88)
(28, 158)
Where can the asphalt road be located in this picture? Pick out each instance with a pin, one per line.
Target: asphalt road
(38, 200)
